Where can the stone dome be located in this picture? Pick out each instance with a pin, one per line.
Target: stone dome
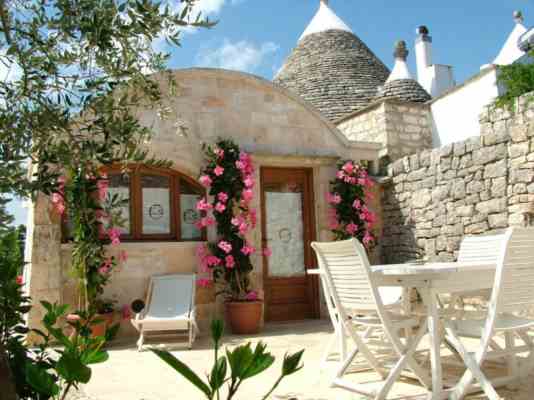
(403, 89)
(332, 68)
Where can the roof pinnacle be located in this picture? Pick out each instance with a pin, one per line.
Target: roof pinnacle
(401, 52)
(518, 17)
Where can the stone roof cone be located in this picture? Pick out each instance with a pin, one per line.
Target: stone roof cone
(400, 84)
(331, 67)
(510, 51)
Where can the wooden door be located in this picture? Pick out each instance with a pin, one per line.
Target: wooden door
(288, 228)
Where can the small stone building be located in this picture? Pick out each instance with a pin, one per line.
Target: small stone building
(333, 99)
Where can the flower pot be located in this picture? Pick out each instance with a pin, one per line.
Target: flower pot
(98, 329)
(244, 316)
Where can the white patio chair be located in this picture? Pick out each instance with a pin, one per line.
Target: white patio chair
(391, 298)
(358, 304)
(513, 293)
(170, 307)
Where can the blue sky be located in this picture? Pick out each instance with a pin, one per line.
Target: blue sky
(257, 35)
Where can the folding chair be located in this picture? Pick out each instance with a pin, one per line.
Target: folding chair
(170, 307)
(358, 303)
(513, 293)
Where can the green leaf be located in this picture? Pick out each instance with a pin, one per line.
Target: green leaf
(218, 374)
(72, 369)
(217, 329)
(40, 380)
(260, 361)
(184, 370)
(291, 363)
(95, 357)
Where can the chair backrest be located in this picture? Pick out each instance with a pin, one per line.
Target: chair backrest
(346, 268)
(481, 248)
(514, 280)
(171, 296)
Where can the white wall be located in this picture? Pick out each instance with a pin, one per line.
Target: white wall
(455, 114)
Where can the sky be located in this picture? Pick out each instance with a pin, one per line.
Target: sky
(257, 35)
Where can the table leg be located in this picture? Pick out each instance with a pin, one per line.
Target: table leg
(430, 300)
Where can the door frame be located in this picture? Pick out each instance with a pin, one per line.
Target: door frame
(310, 232)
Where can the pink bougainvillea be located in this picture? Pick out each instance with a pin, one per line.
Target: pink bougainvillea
(229, 175)
(349, 216)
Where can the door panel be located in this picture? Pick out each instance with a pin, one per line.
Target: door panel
(288, 229)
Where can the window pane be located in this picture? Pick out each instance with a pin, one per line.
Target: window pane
(119, 184)
(189, 196)
(156, 204)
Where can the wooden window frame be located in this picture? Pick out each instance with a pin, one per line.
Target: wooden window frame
(136, 203)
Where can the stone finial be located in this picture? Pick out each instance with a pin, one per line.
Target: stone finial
(325, 2)
(518, 17)
(401, 52)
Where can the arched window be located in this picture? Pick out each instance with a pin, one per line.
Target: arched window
(160, 204)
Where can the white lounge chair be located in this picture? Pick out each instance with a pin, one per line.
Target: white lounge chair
(513, 293)
(358, 303)
(170, 307)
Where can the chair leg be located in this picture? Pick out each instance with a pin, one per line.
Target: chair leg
(473, 369)
(140, 341)
(511, 360)
(328, 349)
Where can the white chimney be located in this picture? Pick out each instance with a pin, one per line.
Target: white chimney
(423, 56)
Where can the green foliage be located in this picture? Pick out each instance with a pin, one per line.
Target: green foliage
(244, 363)
(517, 79)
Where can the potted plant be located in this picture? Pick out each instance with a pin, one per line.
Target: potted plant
(229, 177)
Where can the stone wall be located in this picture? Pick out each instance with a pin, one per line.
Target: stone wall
(403, 128)
(477, 186)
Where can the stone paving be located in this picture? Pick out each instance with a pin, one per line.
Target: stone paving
(130, 375)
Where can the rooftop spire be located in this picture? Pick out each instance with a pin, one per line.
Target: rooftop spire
(400, 70)
(510, 52)
(324, 20)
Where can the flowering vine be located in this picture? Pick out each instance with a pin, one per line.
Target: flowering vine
(349, 215)
(229, 178)
(94, 217)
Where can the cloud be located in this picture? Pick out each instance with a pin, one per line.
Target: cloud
(241, 56)
(209, 7)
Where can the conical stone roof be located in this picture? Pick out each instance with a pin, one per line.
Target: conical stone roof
(403, 89)
(332, 68)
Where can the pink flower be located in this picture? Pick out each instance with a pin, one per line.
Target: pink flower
(369, 195)
(203, 282)
(243, 228)
(225, 246)
(236, 221)
(102, 186)
(357, 204)
(205, 181)
(333, 198)
(60, 208)
(340, 175)
(220, 207)
(56, 198)
(20, 280)
(206, 221)
(362, 181)
(240, 165)
(223, 197)
(248, 195)
(248, 250)
(213, 260)
(101, 215)
(219, 153)
(229, 261)
(367, 238)
(103, 270)
(218, 170)
(333, 225)
(249, 182)
(252, 296)
(351, 228)
(267, 252)
(123, 256)
(114, 234)
(348, 167)
(203, 205)
(126, 312)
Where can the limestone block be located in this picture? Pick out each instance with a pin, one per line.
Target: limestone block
(476, 228)
(475, 187)
(522, 175)
(465, 211)
(518, 132)
(492, 206)
(519, 149)
(498, 220)
(495, 170)
(458, 189)
(421, 198)
(498, 187)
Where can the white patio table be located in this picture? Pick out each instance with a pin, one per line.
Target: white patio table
(430, 280)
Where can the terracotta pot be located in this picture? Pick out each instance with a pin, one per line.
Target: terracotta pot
(98, 329)
(244, 316)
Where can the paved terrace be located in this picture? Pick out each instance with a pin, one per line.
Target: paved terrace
(130, 375)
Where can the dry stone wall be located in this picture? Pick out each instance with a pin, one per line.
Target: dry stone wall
(478, 186)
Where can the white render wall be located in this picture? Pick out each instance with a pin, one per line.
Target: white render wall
(455, 114)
